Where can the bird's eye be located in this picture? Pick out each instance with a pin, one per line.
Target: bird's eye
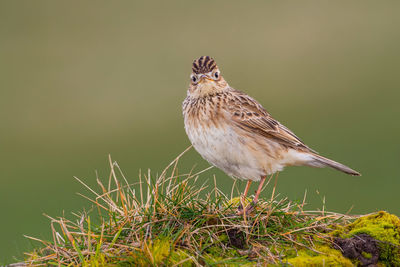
(216, 75)
(194, 78)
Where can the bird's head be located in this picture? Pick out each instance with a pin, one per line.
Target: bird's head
(206, 78)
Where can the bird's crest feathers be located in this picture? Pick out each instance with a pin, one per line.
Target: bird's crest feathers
(204, 64)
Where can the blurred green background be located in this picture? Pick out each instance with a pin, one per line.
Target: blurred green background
(80, 80)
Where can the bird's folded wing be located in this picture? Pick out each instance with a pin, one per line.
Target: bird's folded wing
(251, 116)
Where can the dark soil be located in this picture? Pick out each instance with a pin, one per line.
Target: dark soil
(236, 238)
(353, 248)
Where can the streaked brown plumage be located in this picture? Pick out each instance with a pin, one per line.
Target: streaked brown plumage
(235, 133)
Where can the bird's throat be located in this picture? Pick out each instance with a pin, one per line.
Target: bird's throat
(206, 89)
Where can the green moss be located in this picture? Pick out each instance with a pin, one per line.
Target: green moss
(223, 238)
(222, 260)
(236, 201)
(157, 253)
(180, 258)
(217, 251)
(366, 255)
(383, 227)
(327, 257)
(100, 260)
(159, 250)
(216, 255)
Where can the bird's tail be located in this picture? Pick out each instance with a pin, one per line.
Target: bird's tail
(320, 162)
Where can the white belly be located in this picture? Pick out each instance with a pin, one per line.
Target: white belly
(222, 147)
(240, 155)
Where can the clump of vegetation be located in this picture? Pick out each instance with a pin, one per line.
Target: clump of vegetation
(372, 238)
(326, 256)
(172, 220)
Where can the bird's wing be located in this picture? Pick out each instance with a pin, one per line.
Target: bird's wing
(248, 114)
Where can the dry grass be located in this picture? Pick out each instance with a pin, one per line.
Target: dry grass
(175, 220)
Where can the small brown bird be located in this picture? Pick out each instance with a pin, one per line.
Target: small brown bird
(233, 132)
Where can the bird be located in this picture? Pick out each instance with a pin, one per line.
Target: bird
(233, 132)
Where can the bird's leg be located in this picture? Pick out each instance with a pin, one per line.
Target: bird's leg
(254, 202)
(243, 199)
(260, 186)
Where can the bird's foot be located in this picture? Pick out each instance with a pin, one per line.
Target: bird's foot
(246, 210)
(240, 207)
(250, 207)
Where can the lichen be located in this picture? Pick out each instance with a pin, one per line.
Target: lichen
(383, 227)
(326, 257)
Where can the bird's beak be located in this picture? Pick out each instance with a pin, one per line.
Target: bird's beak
(204, 79)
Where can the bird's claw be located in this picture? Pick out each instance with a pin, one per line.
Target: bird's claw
(246, 210)
(240, 207)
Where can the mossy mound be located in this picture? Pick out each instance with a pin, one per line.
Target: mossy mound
(173, 221)
(371, 239)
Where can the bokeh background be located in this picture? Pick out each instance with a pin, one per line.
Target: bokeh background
(80, 80)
